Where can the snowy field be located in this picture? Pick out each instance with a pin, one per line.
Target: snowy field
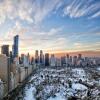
(59, 84)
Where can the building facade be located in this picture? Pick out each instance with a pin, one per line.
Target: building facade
(5, 50)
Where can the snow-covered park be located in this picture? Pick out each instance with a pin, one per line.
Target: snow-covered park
(61, 84)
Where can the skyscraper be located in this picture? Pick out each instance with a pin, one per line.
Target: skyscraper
(52, 60)
(67, 60)
(63, 60)
(15, 46)
(79, 56)
(46, 59)
(11, 57)
(75, 60)
(36, 57)
(41, 57)
(5, 50)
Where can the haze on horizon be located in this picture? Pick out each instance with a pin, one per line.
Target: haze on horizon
(51, 25)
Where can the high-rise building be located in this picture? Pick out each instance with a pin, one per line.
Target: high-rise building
(11, 57)
(32, 61)
(58, 62)
(5, 50)
(5, 71)
(28, 58)
(79, 56)
(26, 61)
(41, 57)
(70, 59)
(15, 46)
(47, 59)
(63, 60)
(36, 57)
(22, 58)
(75, 60)
(67, 60)
(52, 60)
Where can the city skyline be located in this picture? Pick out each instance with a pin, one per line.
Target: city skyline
(52, 26)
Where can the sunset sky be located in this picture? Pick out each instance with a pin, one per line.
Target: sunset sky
(51, 25)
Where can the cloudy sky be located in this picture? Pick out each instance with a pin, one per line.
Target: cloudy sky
(51, 25)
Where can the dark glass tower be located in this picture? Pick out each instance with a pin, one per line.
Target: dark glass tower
(15, 46)
(36, 57)
(46, 59)
(41, 57)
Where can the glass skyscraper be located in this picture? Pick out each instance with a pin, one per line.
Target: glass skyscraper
(15, 46)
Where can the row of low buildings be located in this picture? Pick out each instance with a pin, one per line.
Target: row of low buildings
(12, 73)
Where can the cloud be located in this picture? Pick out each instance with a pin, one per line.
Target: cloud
(78, 45)
(98, 33)
(96, 15)
(50, 44)
(42, 10)
(12, 9)
(51, 32)
(86, 46)
(79, 8)
(17, 29)
(27, 10)
(37, 38)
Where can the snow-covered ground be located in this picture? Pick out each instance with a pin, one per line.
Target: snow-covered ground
(58, 97)
(98, 68)
(29, 93)
(79, 73)
(58, 84)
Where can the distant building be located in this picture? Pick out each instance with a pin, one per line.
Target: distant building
(63, 61)
(5, 50)
(25, 61)
(52, 60)
(28, 58)
(11, 57)
(79, 56)
(47, 59)
(67, 60)
(36, 57)
(32, 61)
(15, 46)
(22, 59)
(70, 59)
(41, 57)
(75, 60)
(58, 62)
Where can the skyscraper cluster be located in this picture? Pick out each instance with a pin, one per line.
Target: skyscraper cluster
(14, 53)
(45, 59)
(41, 59)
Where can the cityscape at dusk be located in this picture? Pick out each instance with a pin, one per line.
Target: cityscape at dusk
(49, 49)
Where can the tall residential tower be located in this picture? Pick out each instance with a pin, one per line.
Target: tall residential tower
(15, 46)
